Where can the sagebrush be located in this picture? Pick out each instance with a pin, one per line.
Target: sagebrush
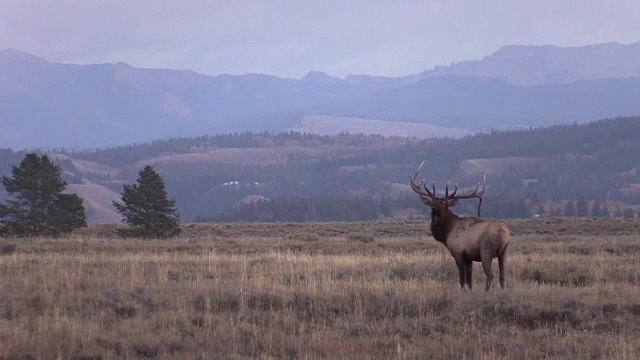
(310, 291)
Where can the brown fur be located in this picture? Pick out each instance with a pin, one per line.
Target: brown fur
(470, 239)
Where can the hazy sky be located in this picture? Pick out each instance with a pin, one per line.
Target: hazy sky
(289, 38)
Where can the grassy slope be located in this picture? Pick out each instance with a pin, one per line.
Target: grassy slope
(330, 125)
(358, 290)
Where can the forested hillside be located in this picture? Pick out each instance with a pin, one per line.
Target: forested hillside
(589, 169)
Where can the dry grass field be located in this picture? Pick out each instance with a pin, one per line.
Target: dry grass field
(309, 291)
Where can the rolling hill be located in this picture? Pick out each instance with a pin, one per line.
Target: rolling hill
(364, 177)
(331, 125)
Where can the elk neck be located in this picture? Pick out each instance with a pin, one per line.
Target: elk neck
(441, 227)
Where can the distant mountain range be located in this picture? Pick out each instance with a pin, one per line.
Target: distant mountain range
(45, 104)
(542, 65)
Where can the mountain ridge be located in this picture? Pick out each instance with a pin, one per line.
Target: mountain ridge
(549, 64)
(44, 104)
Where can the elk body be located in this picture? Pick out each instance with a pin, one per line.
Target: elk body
(468, 239)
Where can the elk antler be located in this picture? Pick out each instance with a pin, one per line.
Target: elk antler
(453, 198)
(427, 196)
(430, 198)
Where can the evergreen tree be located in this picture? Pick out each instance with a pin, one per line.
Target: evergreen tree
(582, 207)
(146, 208)
(618, 212)
(569, 209)
(628, 213)
(37, 206)
(597, 209)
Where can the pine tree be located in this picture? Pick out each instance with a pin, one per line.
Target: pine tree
(146, 208)
(569, 210)
(597, 209)
(628, 213)
(37, 206)
(618, 212)
(582, 207)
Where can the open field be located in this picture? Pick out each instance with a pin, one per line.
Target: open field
(338, 290)
(332, 125)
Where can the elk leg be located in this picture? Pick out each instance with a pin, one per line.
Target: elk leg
(486, 265)
(460, 265)
(468, 269)
(502, 262)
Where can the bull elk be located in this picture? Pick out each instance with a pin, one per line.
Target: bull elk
(468, 239)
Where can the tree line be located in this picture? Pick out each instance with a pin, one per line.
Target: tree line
(325, 208)
(594, 161)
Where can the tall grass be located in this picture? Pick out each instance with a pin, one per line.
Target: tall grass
(314, 291)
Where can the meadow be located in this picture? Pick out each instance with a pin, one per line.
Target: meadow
(376, 290)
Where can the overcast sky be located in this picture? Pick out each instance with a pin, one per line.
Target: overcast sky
(289, 38)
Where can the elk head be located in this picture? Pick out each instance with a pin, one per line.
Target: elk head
(440, 204)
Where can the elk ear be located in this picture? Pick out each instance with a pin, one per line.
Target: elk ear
(452, 202)
(427, 201)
